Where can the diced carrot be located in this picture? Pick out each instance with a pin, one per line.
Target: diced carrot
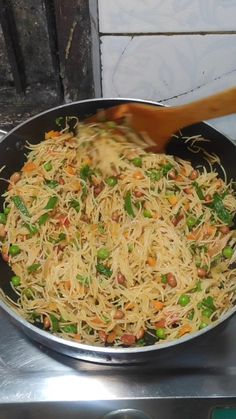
(129, 306)
(186, 328)
(186, 206)
(128, 339)
(179, 178)
(97, 320)
(209, 230)
(172, 199)
(151, 261)
(51, 134)
(88, 161)
(158, 305)
(194, 235)
(29, 167)
(68, 285)
(70, 170)
(77, 336)
(55, 134)
(75, 185)
(183, 171)
(138, 175)
(111, 337)
(126, 234)
(160, 323)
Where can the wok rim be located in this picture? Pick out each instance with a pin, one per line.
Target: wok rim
(46, 337)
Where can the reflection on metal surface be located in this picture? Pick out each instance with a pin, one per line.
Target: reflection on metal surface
(31, 373)
(126, 414)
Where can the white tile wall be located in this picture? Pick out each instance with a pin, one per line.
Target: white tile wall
(122, 16)
(172, 69)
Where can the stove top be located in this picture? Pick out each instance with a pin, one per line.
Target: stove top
(205, 371)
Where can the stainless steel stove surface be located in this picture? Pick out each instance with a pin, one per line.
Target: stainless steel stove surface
(36, 382)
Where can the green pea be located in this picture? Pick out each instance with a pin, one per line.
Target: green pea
(228, 252)
(191, 221)
(6, 210)
(130, 248)
(147, 213)
(183, 300)
(111, 124)
(164, 279)
(28, 293)
(191, 315)
(161, 333)
(137, 161)
(3, 218)
(198, 262)
(103, 253)
(15, 280)
(14, 250)
(48, 166)
(202, 325)
(207, 312)
(111, 181)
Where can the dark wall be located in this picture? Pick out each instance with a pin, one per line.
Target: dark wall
(45, 56)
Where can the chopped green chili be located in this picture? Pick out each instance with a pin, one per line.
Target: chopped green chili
(222, 212)
(104, 270)
(74, 203)
(33, 268)
(42, 220)
(32, 229)
(70, 328)
(52, 202)
(54, 323)
(3, 218)
(84, 280)
(86, 172)
(128, 205)
(198, 190)
(52, 183)
(20, 205)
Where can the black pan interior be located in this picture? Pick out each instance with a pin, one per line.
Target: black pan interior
(12, 150)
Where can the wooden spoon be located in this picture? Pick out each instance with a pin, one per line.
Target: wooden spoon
(160, 123)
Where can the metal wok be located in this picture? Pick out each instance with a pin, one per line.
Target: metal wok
(12, 155)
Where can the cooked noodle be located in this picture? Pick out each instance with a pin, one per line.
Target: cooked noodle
(113, 245)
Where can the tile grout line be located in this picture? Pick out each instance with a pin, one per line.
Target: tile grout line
(120, 34)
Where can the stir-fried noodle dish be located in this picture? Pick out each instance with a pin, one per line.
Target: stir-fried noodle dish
(112, 245)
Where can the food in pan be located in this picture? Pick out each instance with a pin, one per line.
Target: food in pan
(111, 245)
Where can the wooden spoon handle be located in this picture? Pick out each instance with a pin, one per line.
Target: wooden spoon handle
(220, 104)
